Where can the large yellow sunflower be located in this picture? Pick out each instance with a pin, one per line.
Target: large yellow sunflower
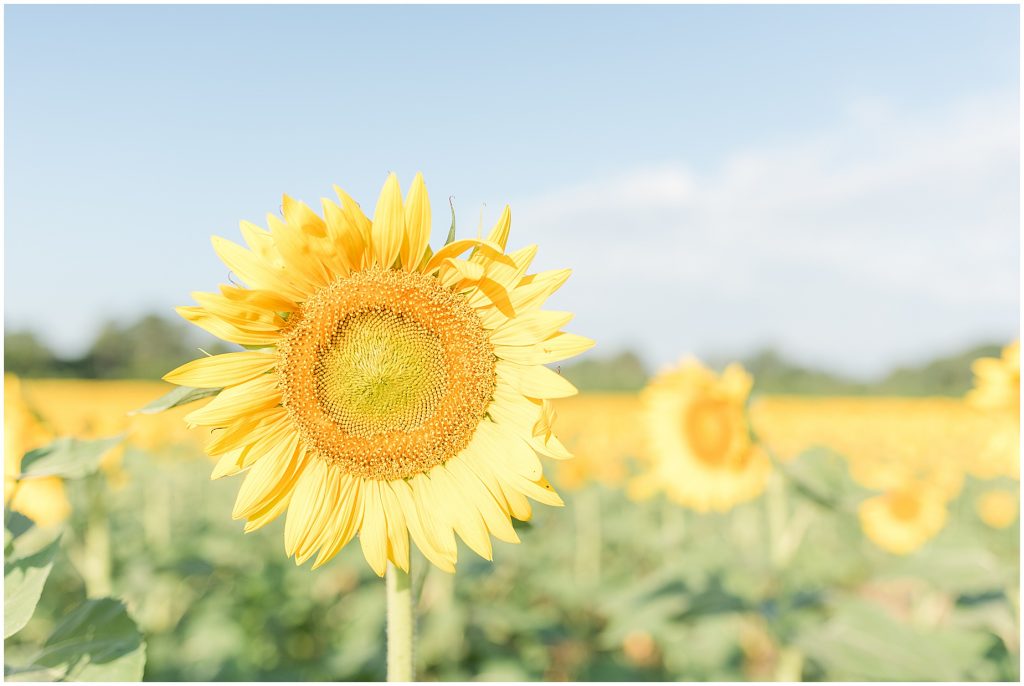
(698, 435)
(389, 391)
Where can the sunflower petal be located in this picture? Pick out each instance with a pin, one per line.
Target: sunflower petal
(417, 224)
(388, 224)
(219, 371)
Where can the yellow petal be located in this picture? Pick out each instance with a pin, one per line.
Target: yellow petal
(398, 532)
(534, 381)
(556, 348)
(246, 431)
(388, 224)
(219, 371)
(507, 448)
(266, 476)
(417, 224)
(306, 507)
(225, 330)
(499, 234)
(530, 328)
(257, 394)
(404, 493)
(534, 289)
(478, 494)
(347, 238)
(373, 533)
(456, 248)
(460, 515)
(348, 519)
(355, 216)
(255, 272)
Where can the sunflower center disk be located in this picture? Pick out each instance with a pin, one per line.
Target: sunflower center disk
(386, 374)
(382, 372)
(903, 506)
(709, 431)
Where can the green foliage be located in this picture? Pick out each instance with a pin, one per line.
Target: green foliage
(25, 573)
(862, 642)
(26, 355)
(97, 641)
(93, 641)
(182, 395)
(696, 585)
(945, 376)
(68, 458)
(623, 372)
(145, 349)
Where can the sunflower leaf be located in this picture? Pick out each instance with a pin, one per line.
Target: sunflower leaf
(182, 395)
(24, 578)
(15, 524)
(68, 458)
(97, 641)
(451, 231)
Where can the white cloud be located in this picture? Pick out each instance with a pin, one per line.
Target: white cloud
(889, 237)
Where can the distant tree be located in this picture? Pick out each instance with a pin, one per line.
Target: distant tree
(774, 374)
(620, 373)
(146, 349)
(26, 355)
(950, 375)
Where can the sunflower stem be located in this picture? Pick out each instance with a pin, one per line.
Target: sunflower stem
(400, 625)
(588, 538)
(96, 541)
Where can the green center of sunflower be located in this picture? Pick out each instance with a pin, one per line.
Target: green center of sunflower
(382, 372)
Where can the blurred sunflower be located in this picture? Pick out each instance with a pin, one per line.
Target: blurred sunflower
(390, 390)
(42, 500)
(903, 519)
(700, 450)
(996, 392)
(998, 507)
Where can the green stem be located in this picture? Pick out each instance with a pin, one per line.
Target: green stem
(96, 543)
(588, 538)
(400, 624)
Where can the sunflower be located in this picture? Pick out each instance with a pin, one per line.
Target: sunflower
(998, 507)
(389, 391)
(700, 448)
(40, 499)
(996, 392)
(903, 519)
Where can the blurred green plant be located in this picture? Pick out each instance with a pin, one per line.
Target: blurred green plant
(94, 640)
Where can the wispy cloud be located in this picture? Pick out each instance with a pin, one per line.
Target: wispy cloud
(890, 236)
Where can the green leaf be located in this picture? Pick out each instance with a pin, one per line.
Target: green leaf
(15, 524)
(451, 231)
(182, 395)
(862, 642)
(68, 458)
(23, 584)
(98, 641)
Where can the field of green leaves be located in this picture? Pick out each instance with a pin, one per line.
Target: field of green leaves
(786, 586)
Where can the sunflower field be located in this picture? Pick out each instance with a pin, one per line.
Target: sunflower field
(709, 532)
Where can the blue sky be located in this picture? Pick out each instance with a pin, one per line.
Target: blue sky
(841, 182)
